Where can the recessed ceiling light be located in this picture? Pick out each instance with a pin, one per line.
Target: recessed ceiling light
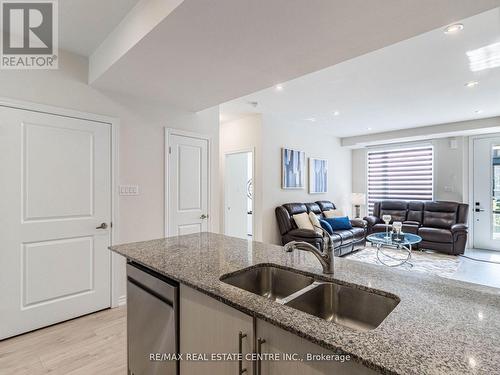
(311, 119)
(478, 111)
(486, 57)
(336, 113)
(472, 83)
(279, 87)
(455, 28)
(368, 128)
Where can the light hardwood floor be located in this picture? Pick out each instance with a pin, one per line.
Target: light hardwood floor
(93, 344)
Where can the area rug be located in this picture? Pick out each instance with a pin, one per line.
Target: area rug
(421, 261)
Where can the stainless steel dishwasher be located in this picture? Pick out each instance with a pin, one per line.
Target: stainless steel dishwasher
(152, 322)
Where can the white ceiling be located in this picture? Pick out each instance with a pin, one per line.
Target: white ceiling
(208, 52)
(84, 24)
(417, 82)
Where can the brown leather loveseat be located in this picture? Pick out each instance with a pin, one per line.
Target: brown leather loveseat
(344, 241)
(442, 225)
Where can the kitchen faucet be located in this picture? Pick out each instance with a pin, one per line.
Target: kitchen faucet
(326, 258)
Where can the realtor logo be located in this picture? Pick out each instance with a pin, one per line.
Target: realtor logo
(29, 34)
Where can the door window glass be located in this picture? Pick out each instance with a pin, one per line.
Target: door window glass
(495, 196)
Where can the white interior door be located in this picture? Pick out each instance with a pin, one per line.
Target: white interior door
(187, 176)
(55, 189)
(237, 202)
(486, 203)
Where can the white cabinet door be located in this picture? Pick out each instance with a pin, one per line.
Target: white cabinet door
(279, 342)
(187, 191)
(209, 326)
(55, 189)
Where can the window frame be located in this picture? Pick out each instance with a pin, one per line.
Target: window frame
(399, 147)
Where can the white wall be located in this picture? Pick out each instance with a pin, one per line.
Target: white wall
(244, 134)
(449, 178)
(141, 139)
(268, 134)
(142, 162)
(359, 175)
(316, 143)
(450, 169)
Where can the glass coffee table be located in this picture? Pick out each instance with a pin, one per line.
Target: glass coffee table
(381, 240)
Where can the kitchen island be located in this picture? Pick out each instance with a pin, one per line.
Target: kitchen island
(439, 326)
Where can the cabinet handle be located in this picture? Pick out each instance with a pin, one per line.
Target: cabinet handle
(241, 336)
(260, 341)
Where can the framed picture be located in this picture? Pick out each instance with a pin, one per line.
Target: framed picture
(293, 169)
(318, 176)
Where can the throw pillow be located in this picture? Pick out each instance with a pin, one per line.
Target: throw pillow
(302, 221)
(339, 223)
(333, 213)
(326, 226)
(315, 222)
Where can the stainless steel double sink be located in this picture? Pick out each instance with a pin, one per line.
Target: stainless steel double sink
(332, 301)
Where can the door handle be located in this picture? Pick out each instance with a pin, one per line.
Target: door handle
(102, 226)
(479, 210)
(203, 216)
(241, 336)
(260, 341)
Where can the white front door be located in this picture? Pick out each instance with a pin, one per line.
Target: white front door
(486, 203)
(55, 192)
(238, 195)
(187, 191)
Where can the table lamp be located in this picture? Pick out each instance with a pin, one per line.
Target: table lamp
(358, 199)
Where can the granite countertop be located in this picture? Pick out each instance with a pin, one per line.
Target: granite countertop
(441, 326)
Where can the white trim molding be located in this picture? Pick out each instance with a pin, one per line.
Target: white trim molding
(223, 187)
(470, 239)
(122, 300)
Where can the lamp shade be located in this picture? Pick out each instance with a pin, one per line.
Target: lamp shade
(358, 199)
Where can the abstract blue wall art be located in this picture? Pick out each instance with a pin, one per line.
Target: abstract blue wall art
(293, 169)
(318, 176)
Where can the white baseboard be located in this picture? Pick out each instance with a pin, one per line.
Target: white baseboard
(122, 300)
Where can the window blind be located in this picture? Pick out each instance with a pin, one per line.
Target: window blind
(405, 174)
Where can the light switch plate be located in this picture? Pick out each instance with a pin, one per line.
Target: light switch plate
(129, 189)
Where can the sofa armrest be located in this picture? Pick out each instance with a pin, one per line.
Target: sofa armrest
(304, 233)
(372, 220)
(459, 232)
(359, 223)
(458, 228)
(410, 226)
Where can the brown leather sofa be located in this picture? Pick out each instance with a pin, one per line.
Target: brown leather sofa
(442, 225)
(344, 241)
